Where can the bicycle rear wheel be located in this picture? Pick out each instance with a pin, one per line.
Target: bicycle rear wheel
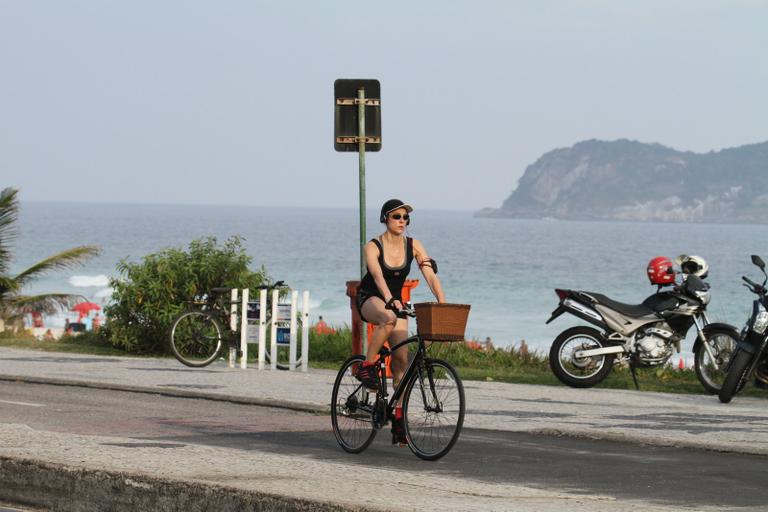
(433, 409)
(352, 409)
(196, 338)
(283, 360)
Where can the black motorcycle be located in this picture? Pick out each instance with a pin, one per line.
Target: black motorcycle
(641, 335)
(750, 354)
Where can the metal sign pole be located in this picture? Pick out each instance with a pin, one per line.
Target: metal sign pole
(363, 94)
(361, 161)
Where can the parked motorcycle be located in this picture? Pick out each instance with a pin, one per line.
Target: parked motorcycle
(750, 354)
(642, 335)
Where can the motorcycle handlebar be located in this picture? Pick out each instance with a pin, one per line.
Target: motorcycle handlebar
(753, 286)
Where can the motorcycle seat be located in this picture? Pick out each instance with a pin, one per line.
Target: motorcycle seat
(633, 310)
(660, 302)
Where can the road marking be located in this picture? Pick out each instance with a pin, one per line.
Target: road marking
(21, 403)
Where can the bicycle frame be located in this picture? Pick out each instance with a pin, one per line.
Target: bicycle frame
(413, 368)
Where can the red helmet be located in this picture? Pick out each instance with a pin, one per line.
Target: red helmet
(660, 271)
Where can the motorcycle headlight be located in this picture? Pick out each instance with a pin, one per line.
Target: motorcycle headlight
(761, 321)
(703, 296)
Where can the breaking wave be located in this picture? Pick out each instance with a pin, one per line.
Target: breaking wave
(99, 281)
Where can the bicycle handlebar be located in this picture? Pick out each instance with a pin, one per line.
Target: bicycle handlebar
(219, 290)
(277, 284)
(401, 313)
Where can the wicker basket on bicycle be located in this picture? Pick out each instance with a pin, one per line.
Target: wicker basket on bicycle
(441, 322)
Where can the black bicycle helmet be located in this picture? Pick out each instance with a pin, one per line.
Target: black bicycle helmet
(390, 206)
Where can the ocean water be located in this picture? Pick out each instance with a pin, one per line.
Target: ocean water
(506, 269)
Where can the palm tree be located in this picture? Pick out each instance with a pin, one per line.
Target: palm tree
(13, 303)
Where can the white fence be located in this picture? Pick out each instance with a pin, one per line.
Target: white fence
(282, 321)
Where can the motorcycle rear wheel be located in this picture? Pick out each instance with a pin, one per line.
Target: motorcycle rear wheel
(736, 377)
(574, 372)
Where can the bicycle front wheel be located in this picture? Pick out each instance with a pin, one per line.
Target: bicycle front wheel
(433, 409)
(196, 338)
(352, 409)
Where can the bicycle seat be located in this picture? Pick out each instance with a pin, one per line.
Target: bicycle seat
(220, 290)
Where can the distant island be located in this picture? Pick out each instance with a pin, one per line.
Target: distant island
(630, 180)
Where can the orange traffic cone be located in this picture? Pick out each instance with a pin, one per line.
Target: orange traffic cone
(681, 364)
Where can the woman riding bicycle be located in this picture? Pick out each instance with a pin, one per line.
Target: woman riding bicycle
(388, 259)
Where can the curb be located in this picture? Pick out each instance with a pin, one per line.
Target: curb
(177, 393)
(619, 437)
(58, 487)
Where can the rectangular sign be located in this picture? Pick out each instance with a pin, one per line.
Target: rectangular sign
(283, 335)
(345, 122)
(253, 310)
(252, 333)
(283, 312)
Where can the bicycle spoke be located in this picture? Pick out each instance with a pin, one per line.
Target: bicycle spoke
(435, 411)
(195, 338)
(352, 410)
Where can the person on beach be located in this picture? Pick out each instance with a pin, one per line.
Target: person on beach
(323, 328)
(388, 259)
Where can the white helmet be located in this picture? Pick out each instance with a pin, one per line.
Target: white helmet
(693, 265)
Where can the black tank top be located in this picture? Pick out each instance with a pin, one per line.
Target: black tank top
(395, 277)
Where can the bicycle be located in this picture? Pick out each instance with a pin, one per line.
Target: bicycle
(197, 336)
(433, 402)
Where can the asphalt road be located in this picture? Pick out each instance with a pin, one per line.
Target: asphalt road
(659, 475)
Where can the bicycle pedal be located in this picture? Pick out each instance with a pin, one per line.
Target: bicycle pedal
(399, 444)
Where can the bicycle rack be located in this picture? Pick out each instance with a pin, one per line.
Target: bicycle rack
(254, 331)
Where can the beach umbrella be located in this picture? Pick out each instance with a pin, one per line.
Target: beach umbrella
(85, 307)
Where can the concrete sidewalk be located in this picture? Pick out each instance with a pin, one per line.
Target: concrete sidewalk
(662, 419)
(47, 468)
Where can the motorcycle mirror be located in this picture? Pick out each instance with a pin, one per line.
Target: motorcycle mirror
(757, 260)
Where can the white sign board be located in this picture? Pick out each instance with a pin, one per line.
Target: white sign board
(253, 332)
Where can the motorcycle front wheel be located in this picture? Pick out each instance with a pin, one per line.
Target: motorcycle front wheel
(737, 375)
(711, 373)
(577, 372)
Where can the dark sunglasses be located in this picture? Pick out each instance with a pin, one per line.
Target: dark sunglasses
(397, 216)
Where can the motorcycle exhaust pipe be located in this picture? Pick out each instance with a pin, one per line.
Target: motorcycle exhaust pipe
(584, 310)
(618, 349)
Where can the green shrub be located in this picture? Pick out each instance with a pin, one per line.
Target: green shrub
(337, 347)
(496, 359)
(11, 334)
(86, 339)
(148, 295)
(330, 348)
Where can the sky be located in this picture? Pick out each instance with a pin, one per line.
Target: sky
(192, 102)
